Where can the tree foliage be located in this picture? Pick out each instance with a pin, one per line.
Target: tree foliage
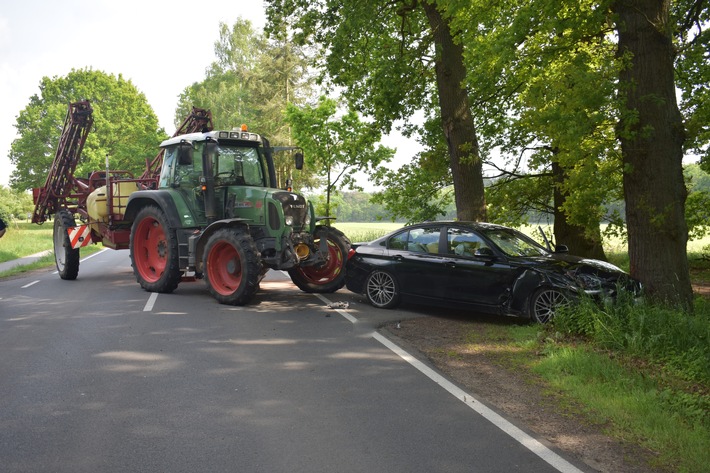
(393, 59)
(14, 203)
(251, 82)
(422, 189)
(691, 19)
(335, 145)
(125, 127)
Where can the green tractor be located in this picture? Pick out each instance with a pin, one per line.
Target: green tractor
(218, 214)
(208, 206)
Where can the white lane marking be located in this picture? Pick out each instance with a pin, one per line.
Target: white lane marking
(151, 302)
(559, 463)
(30, 284)
(95, 254)
(553, 459)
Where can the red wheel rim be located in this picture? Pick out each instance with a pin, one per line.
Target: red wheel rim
(224, 268)
(328, 271)
(150, 249)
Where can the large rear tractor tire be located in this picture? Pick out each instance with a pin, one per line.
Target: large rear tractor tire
(330, 275)
(232, 268)
(154, 251)
(66, 257)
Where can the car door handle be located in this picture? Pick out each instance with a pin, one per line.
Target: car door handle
(450, 264)
(398, 258)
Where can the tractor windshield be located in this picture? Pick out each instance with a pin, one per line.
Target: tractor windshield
(232, 165)
(238, 165)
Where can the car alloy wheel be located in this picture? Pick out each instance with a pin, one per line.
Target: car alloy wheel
(382, 290)
(544, 304)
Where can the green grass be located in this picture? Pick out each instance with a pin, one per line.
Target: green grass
(658, 402)
(26, 239)
(359, 232)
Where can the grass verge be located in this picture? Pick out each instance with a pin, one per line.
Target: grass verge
(646, 376)
(25, 239)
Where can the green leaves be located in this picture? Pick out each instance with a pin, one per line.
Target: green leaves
(251, 82)
(336, 144)
(125, 126)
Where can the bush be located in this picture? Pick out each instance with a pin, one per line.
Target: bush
(673, 338)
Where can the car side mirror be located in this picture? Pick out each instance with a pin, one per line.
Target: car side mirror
(484, 252)
(561, 249)
(298, 160)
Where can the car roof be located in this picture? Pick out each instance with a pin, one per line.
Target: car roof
(456, 223)
(447, 223)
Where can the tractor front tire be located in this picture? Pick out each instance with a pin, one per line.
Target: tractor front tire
(328, 276)
(66, 257)
(232, 268)
(154, 251)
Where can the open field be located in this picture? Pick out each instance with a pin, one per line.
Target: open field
(365, 231)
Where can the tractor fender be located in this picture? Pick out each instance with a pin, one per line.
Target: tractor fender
(162, 199)
(213, 227)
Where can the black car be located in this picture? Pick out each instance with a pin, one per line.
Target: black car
(486, 267)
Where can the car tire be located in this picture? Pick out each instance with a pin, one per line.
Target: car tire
(544, 302)
(382, 290)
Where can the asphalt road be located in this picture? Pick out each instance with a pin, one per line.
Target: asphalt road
(97, 375)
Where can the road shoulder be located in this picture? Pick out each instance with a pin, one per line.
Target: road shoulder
(520, 396)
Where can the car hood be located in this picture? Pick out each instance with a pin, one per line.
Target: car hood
(565, 263)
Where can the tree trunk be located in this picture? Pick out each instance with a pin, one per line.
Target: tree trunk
(651, 136)
(457, 121)
(579, 240)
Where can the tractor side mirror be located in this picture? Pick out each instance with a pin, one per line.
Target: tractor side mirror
(298, 160)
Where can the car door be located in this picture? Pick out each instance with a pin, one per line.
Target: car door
(477, 273)
(417, 262)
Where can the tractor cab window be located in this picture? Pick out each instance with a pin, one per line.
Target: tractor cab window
(180, 173)
(166, 172)
(237, 165)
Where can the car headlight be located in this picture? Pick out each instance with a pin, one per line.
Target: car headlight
(289, 220)
(588, 281)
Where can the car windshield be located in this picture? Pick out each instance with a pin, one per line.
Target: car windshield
(513, 243)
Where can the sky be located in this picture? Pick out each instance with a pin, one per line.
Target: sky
(160, 46)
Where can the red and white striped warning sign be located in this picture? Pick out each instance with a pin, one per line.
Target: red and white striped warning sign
(79, 236)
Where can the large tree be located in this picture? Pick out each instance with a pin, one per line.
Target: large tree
(652, 136)
(393, 59)
(125, 127)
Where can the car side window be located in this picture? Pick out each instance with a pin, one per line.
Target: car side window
(464, 242)
(399, 241)
(417, 240)
(424, 240)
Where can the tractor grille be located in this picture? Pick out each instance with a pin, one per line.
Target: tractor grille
(294, 206)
